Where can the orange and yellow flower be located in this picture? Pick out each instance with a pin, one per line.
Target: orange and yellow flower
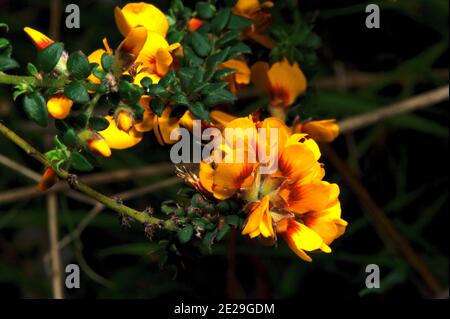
(143, 14)
(282, 81)
(292, 201)
(256, 11)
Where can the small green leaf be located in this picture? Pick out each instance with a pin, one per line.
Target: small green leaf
(223, 73)
(223, 232)
(221, 96)
(239, 49)
(200, 44)
(107, 62)
(185, 234)
(199, 111)
(191, 57)
(156, 90)
(157, 106)
(129, 92)
(175, 37)
(146, 82)
(220, 20)
(36, 108)
(77, 92)
(213, 61)
(239, 23)
(180, 99)
(233, 220)
(7, 63)
(56, 155)
(80, 163)
(3, 43)
(98, 123)
(78, 65)
(32, 70)
(49, 57)
(228, 37)
(70, 138)
(205, 10)
(167, 80)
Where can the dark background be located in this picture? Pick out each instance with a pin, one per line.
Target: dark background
(402, 163)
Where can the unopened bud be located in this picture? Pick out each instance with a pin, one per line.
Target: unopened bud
(99, 147)
(48, 179)
(124, 121)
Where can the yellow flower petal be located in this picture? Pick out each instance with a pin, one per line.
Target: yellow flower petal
(287, 83)
(134, 42)
(296, 162)
(99, 147)
(311, 197)
(164, 60)
(40, 40)
(141, 14)
(259, 220)
(164, 125)
(321, 131)
(118, 139)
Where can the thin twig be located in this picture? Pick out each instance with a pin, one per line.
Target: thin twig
(93, 180)
(98, 208)
(55, 19)
(383, 226)
(52, 207)
(28, 192)
(412, 104)
(83, 188)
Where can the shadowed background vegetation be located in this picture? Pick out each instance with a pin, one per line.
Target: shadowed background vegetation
(402, 162)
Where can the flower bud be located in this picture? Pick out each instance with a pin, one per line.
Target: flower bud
(99, 147)
(59, 106)
(124, 120)
(194, 24)
(48, 179)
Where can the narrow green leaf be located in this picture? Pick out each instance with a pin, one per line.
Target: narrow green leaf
(219, 22)
(238, 22)
(221, 96)
(199, 111)
(180, 99)
(36, 108)
(157, 106)
(80, 163)
(200, 44)
(70, 138)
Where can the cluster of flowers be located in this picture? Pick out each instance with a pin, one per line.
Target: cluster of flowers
(294, 201)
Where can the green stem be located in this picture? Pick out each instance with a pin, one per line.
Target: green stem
(91, 106)
(31, 80)
(83, 188)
